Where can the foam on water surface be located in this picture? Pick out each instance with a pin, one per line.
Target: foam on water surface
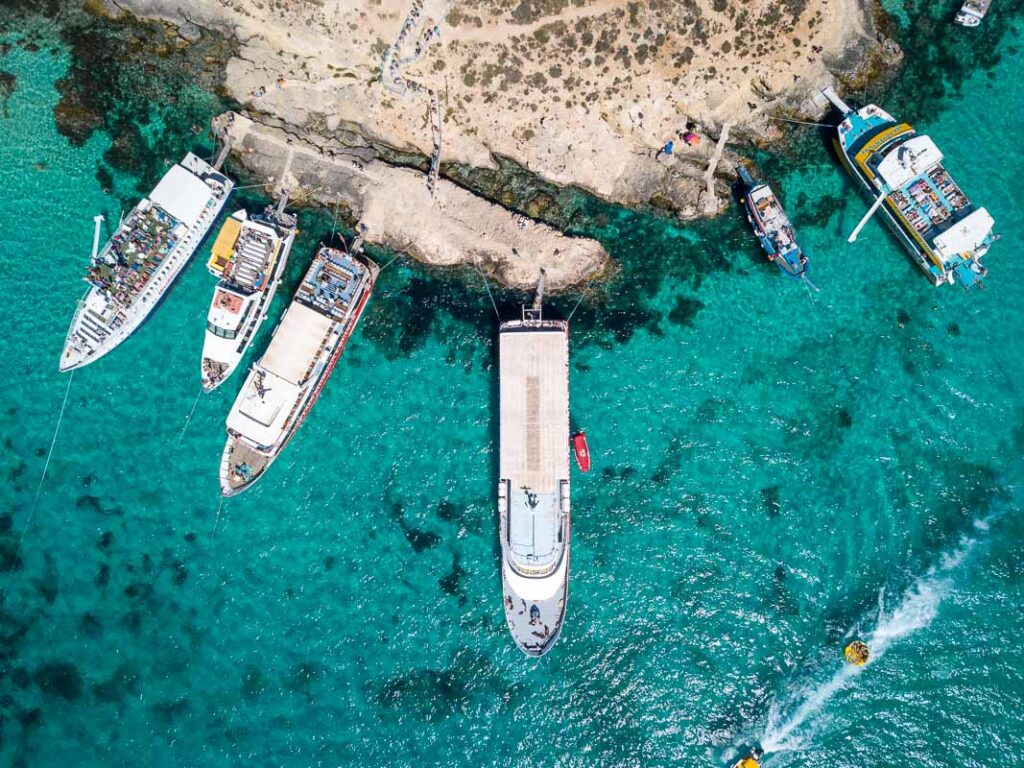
(916, 609)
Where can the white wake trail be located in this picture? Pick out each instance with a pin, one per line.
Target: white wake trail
(915, 611)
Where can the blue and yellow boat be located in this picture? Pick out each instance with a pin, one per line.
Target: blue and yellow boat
(772, 226)
(902, 170)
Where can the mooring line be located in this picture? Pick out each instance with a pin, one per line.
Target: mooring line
(583, 295)
(189, 419)
(799, 122)
(393, 260)
(216, 521)
(42, 479)
(488, 287)
(807, 284)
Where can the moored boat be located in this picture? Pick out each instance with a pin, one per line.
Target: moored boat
(249, 256)
(139, 264)
(902, 170)
(772, 226)
(972, 12)
(282, 387)
(533, 483)
(581, 451)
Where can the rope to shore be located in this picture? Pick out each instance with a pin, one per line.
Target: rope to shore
(489, 294)
(189, 419)
(393, 260)
(800, 122)
(583, 295)
(334, 222)
(39, 488)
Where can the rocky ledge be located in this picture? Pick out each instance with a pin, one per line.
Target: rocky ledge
(448, 228)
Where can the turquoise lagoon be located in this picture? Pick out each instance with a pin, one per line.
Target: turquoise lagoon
(775, 473)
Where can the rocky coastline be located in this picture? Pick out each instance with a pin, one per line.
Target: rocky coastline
(433, 95)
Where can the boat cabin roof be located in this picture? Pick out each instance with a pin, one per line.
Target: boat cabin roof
(182, 194)
(260, 412)
(964, 236)
(534, 394)
(295, 344)
(909, 160)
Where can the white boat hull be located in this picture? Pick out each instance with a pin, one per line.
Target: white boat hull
(91, 336)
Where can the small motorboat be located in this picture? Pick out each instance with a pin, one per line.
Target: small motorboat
(772, 226)
(751, 760)
(972, 12)
(581, 450)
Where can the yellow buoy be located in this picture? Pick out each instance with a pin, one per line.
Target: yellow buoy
(857, 653)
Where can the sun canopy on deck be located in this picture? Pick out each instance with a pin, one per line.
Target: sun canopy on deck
(224, 246)
(911, 158)
(182, 194)
(296, 342)
(964, 236)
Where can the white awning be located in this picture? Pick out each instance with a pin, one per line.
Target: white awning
(260, 412)
(296, 342)
(964, 236)
(911, 158)
(182, 194)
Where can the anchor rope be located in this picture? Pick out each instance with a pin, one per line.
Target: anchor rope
(189, 419)
(216, 521)
(39, 488)
(808, 285)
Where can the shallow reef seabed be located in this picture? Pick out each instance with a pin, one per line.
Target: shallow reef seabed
(774, 473)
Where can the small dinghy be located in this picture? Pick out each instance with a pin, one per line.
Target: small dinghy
(581, 450)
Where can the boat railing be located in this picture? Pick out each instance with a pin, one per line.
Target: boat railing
(78, 309)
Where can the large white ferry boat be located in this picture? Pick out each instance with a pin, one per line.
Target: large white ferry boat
(282, 387)
(533, 486)
(249, 256)
(150, 248)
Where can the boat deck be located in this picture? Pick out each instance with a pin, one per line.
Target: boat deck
(773, 218)
(931, 203)
(533, 496)
(331, 283)
(241, 466)
(255, 252)
(535, 439)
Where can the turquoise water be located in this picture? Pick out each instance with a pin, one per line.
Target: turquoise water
(770, 467)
